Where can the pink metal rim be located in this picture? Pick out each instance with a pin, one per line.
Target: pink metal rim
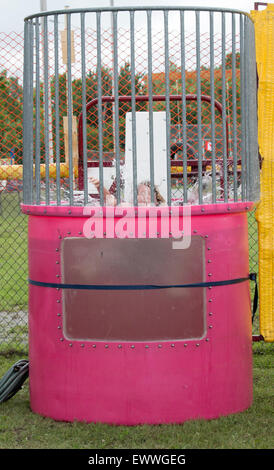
(81, 211)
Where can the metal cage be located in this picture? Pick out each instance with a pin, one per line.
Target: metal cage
(93, 77)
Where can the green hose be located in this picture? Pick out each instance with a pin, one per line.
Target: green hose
(13, 380)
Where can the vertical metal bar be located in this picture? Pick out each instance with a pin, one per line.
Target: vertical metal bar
(183, 75)
(234, 112)
(242, 79)
(71, 199)
(199, 106)
(84, 108)
(31, 103)
(27, 119)
(253, 154)
(37, 116)
(247, 106)
(212, 105)
(46, 106)
(150, 104)
(224, 107)
(167, 93)
(57, 115)
(99, 107)
(116, 107)
(133, 104)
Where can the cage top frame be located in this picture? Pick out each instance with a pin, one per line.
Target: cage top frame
(135, 8)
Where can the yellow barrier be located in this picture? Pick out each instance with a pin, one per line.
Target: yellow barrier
(264, 35)
(179, 169)
(15, 172)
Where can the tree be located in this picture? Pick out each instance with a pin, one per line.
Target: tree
(124, 89)
(11, 117)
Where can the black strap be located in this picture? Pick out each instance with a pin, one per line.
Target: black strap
(251, 277)
(136, 286)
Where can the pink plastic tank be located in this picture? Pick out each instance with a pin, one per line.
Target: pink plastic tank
(134, 354)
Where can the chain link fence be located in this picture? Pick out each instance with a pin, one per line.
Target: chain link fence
(13, 224)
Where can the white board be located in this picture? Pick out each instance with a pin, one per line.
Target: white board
(143, 152)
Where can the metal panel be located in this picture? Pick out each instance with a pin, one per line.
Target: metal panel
(132, 315)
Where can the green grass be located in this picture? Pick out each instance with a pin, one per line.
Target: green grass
(13, 254)
(20, 428)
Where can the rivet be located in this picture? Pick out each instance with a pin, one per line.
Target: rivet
(59, 327)
(210, 326)
(198, 344)
(210, 300)
(208, 248)
(82, 345)
(173, 345)
(146, 346)
(228, 208)
(60, 236)
(106, 346)
(210, 274)
(69, 233)
(105, 233)
(210, 313)
(206, 236)
(132, 346)
(210, 287)
(80, 233)
(207, 340)
(202, 209)
(57, 249)
(57, 275)
(194, 231)
(58, 314)
(94, 346)
(70, 345)
(57, 262)
(61, 339)
(246, 208)
(57, 288)
(69, 211)
(58, 301)
(209, 261)
(159, 345)
(185, 345)
(119, 346)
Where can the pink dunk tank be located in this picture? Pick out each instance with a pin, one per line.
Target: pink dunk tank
(140, 170)
(142, 355)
